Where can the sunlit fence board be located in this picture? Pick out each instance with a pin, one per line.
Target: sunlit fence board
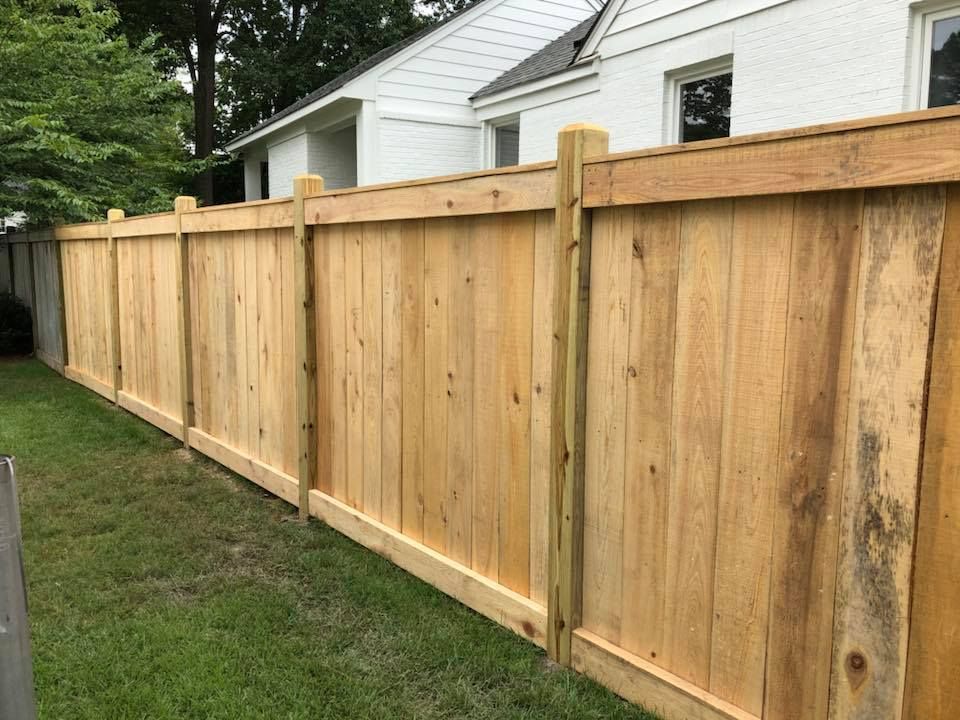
(86, 267)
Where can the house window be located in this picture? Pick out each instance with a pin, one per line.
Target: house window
(940, 78)
(507, 145)
(264, 180)
(702, 104)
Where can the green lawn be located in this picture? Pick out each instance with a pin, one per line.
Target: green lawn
(163, 586)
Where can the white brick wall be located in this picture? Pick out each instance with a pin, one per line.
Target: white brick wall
(287, 160)
(799, 63)
(333, 156)
(411, 149)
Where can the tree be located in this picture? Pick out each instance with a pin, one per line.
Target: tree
(86, 120)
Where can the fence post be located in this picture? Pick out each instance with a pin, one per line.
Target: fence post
(184, 332)
(62, 303)
(306, 348)
(571, 264)
(16, 668)
(113, 216)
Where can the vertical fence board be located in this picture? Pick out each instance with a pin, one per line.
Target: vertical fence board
(339, 338)
(756, 331)
(392, 439)
(932, 690)
(655, 262)
(460, 361)
(899, 261)
(372, 311)
(438, 234)
(412, 361)
(486, 417)
(353, 289)
(823, 290)
(703, 285)
(611, 266)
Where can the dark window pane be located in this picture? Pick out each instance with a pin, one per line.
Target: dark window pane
(945, 63)
(508, 145)
(705, 108)
(264, 180)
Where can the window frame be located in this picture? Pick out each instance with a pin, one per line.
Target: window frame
(675, 79)
(490, 139)
(923, 29)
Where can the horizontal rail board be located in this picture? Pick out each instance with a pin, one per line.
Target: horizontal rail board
(89, 382)
(842, 157)
(644, 683)
(88, 231)
(162, 224)
(501, 193)
(245, 216)
(158, 418)
(280, 484)
(520, 614)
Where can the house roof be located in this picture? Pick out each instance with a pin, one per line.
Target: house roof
(353, 73)
(555, 57)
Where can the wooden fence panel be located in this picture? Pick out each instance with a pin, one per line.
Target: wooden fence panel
(86, 282)
(149, 349)
(243, 345)
(46, 271)
(6, 278)
(22, 276)
(427, 381)
(746, 309)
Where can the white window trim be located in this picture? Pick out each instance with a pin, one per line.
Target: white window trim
(490, 138)
(925, 15)
(673, 79)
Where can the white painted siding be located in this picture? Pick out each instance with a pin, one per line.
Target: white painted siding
(251, 173)
(287, 160)
(438, 80)
(412, 149)
(797, 63)
(333, 156)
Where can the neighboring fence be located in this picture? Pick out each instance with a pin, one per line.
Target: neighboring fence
(664, 413)
(29, 268)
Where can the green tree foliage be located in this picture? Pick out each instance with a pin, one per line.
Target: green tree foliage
(86, 120)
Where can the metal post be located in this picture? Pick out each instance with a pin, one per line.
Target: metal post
(16, 668)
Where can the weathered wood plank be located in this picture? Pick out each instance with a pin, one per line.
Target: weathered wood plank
(823, 289)
(932, 690)
(899, 260)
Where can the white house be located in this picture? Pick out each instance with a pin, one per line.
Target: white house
(651, 71)
(406, 111)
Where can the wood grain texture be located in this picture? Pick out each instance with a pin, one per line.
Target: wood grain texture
(413, 318)
(460, 389)
(372, 345)
(934, 652)
(824, 270)
(485, 540)
(438, 235)
(899, 261)
(513, 399)
(392, 408)
(610, 278)
(655, 250)
(340, 322)
(753, 377)
(702, 299)
(906, 153)
(353, 295)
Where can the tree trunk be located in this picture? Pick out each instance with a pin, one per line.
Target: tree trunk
(204, 91)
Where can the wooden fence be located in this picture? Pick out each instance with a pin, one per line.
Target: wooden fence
(685, 417)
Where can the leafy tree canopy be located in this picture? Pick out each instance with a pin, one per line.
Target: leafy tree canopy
(86, 121)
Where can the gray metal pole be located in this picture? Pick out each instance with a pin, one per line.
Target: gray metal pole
(16, 668)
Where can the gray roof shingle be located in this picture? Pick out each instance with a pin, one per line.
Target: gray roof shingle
(555, 57)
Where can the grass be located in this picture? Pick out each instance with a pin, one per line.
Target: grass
(163, 586)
